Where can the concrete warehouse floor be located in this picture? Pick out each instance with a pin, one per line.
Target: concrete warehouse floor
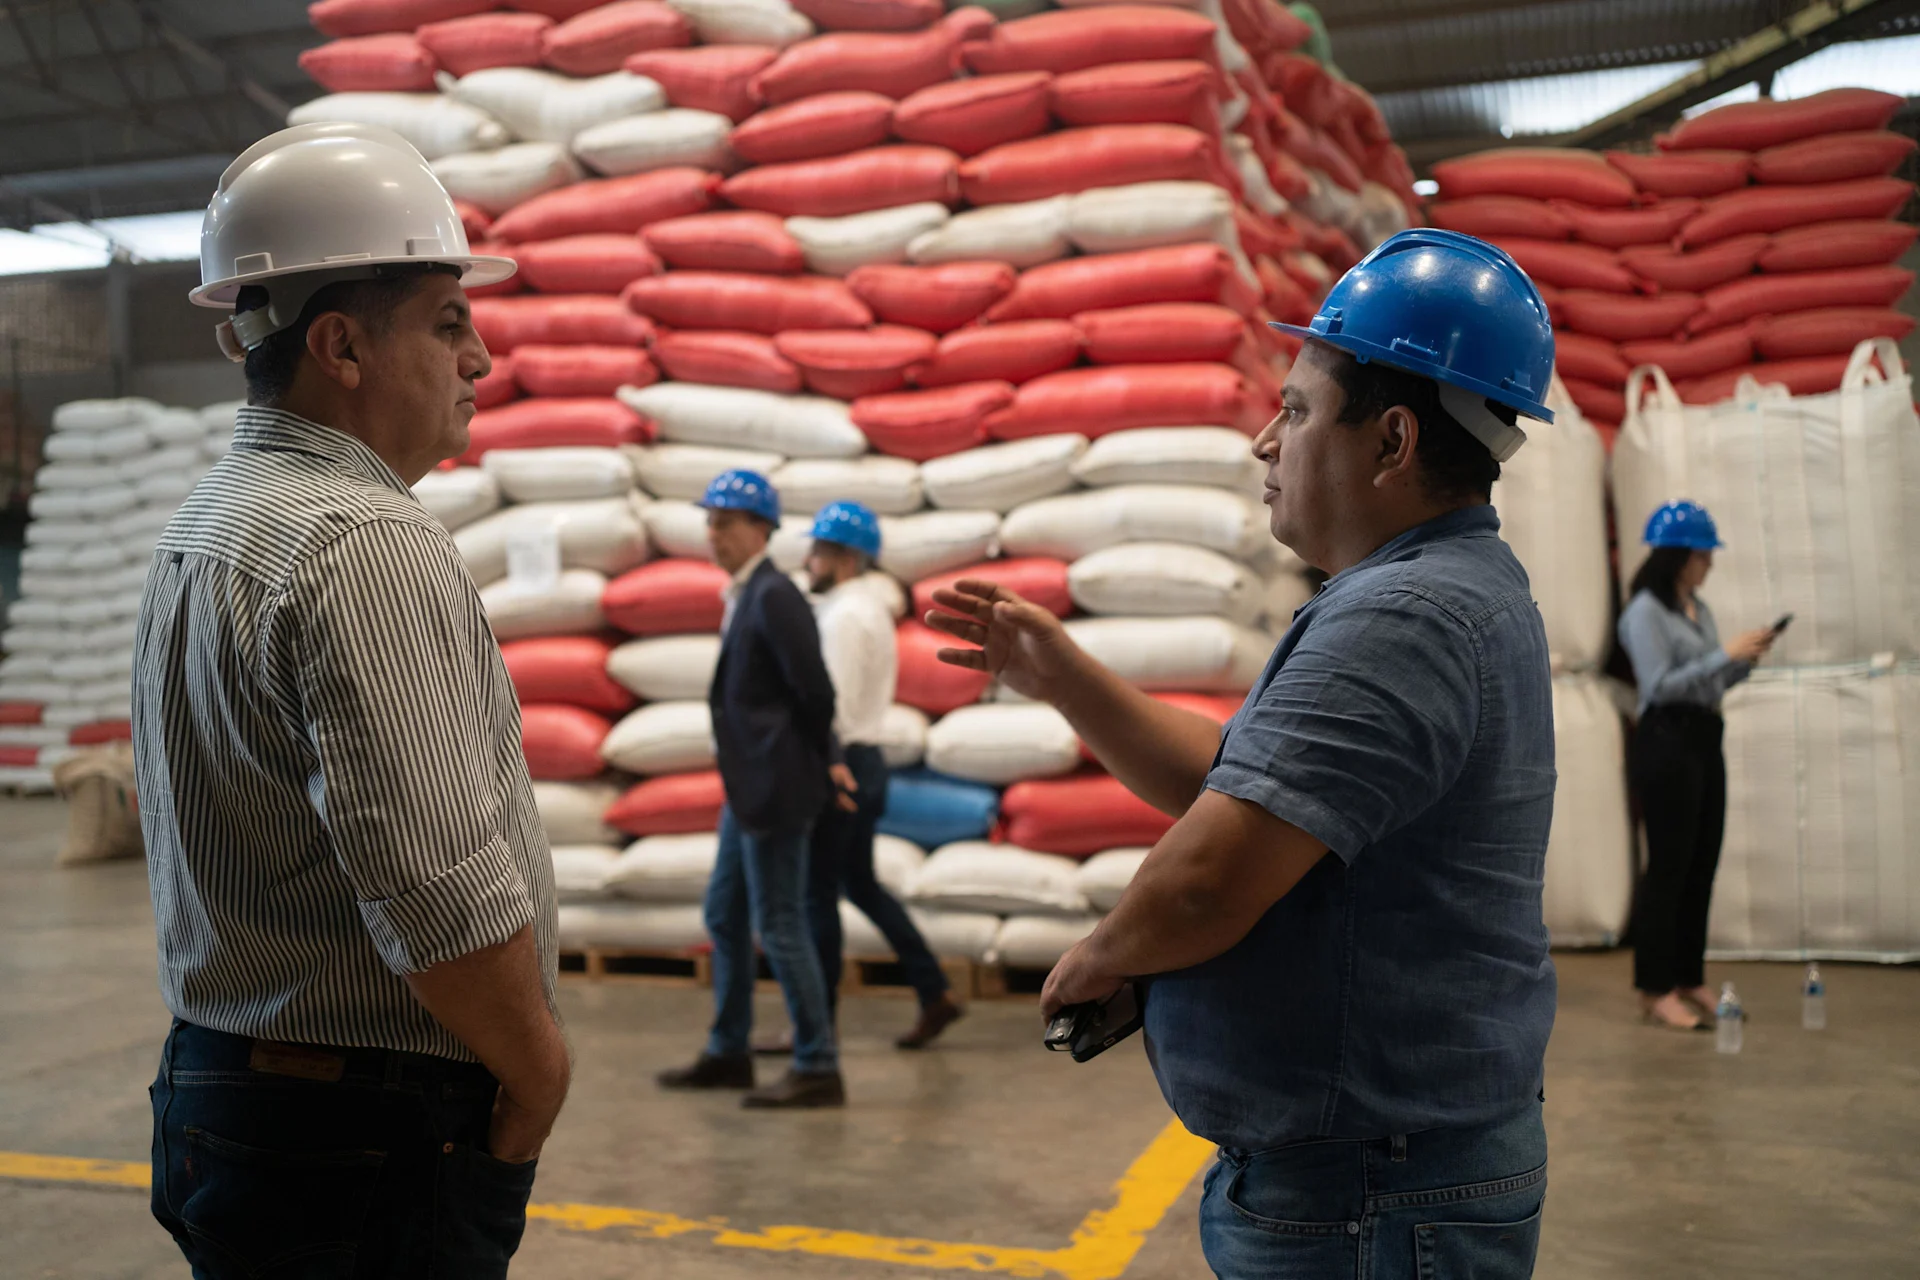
(1801, 1157)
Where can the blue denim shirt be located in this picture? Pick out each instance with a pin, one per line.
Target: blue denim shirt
(1405, 720)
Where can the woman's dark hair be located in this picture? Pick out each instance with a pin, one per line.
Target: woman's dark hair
(1661, 575)
(1454, 466)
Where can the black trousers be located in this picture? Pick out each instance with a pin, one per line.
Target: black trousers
(1681, 777)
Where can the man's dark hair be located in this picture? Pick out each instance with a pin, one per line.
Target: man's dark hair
(271, 365)
(1453, 465)
(1660, 574)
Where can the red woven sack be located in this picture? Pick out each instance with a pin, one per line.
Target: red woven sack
(581, 371)
(727, 241)
(666, 597)
(507, 323)
(1285, 300)
(1033, 578)
(499, 386)
(1778, 208)
(1094, 402)
(1618, 228)
(877, 178)
(474, 220)
(1800, 291)
(100, 731)
(895, 65)
(464, 45)
(1266, 26)
(1755, 126)
(566, 669)
(558, 10)
(1015, 352)
(1571, 266)
(368, 17)
(1497, 217)
(586, 264)
(938, 298)
(21, 713)
(1826, 331)
(1176, 273)
(1826, 245)
(849, 363)
(1263, 235)
(1812, 376)
(602, 38)
(726, 359)
(609, 205)
(1710, 353)
(1606, 401)
(499, 288)
(1111, 155)
(1162, 333)
(715, 77)
(1079, 816)
(926, 682)
(1576, 355)
(871, 15)
(1180, 92)
(828, 124)
(931, 424)
(1541, 172)
(1833, 157)
(1074, 39)
(1685, 173)
(673, 804)
(1623, 318)
(561, 743)
(1699, 269)
(968, 116)
(755, 303)
(370, 64)
(591, 421)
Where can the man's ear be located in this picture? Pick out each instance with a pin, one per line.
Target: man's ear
(330, 341)
(1399, 440)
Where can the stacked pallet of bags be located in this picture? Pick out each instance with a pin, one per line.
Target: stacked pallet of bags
(1817, 499)
(113, 473)
(1758, 239)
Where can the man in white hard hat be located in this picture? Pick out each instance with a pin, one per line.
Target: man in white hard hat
(354, 897)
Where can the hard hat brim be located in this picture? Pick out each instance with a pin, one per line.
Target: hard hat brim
(1368, 352)
(476, 269)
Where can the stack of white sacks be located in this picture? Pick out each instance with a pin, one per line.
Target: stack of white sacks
(112, 475)
(1817, 499)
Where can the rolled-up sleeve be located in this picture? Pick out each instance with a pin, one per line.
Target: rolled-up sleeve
(1366, 724)
(392, 648)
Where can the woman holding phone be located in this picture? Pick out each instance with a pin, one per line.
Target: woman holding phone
(1683, 670)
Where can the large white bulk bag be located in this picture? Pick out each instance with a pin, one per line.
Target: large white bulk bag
(1817, 499)
(666, 868)
(950, 935)
(560, 474)
(797, 426)
(666, 668)
(1001, 878)
(569, 606)
(920, 546)
(1078, 524)
(500, 179)
(1217, 456)
(103, 415)
(903, 736)
(768, 22)
(1024, 234)
(999, 477)
(662, 737)
(1199, 655)
(895, 861)
(632, 926)
(836, 246)
(658, 140)
(581, 871)
(541, 106)
(570, 811)
(1002, 743)
(1161, 578)
(607, 535)
(1590, 852)
(1146, 215)
(1105, 876)
(1823, 803)
(1038, 942)
(435, 124)
(889, 486)
(683, 471)
(1551, 497)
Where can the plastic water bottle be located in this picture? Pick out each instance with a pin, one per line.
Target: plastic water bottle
(1729, 1027)
(1813, 1001)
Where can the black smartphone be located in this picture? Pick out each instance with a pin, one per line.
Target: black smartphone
(1089, 1030)
(1785, 621)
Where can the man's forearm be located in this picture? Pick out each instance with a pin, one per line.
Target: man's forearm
(494, 1002)
(1159, 752)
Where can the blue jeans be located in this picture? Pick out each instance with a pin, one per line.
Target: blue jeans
(265, 1166)
(759, 886)
(1447, 1204)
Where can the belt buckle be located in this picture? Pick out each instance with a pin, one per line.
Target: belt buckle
(298, 1061)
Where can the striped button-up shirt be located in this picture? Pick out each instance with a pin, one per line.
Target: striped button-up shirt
(328, 745)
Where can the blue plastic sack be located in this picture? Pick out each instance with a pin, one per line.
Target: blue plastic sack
(932, 809)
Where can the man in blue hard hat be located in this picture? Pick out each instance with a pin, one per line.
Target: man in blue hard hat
(773, 706)
(1346, 977)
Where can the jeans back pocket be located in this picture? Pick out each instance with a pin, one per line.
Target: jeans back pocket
(1477, 1250)
(283, 1215)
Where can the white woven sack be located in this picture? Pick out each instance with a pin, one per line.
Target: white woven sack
(1590, 850)
(765, 22)
(437, 125)
(1253, 177)
(570, 606)
(570, 811)
(177, 457)
(666, 868)
(1283, 594)
(1166, 578)
(1024, 234)
(1004, 879)
(103, 415)
(889, 486)
(950, 935)
(74, 446)
(607, 535)
(666, 668)
(73, 476)
(1105, 876)
(683, 471)
(217, 419)
(903, 736)
(82, 504)
(881, 585)
(15, 735)
(790, 543)
(999, 477)
(920, 546)
(1079, 524)
(1147, 215)
(1551, 498)
(458, 497)
(542, 106)
(1003, 743)
(48, 559)
(836, 246)
(40, 635)
(662, 737)
(1038, 942)
(665, 927)
(1200, 655)
(1817, 499)
(797, 426)
(167, 488)
(141, 525)
(678, 529)
(175, 426)
(500, 179)
(216, 447)
(581, 871)
(895, 861)
(559, 474)
(73, 533)
(1216, 456)
(658, 140)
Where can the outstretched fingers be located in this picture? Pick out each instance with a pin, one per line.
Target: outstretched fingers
(971, 659)
(960, 628)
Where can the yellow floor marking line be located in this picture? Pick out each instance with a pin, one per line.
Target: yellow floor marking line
(1103, 1246)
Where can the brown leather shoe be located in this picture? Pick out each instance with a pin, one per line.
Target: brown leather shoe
(710, 1073)
(813, 1089)
(934, 1018)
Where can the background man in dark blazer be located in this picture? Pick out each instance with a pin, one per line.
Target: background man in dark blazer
(772, 706)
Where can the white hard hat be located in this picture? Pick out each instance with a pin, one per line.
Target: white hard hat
(320, 203)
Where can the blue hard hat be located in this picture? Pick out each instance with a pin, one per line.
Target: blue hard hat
(1682, 524)
(747, 491)
(848, 524)
(1452, 308)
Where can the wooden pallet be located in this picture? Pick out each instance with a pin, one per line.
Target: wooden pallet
(677, 967)
(1009, 982)
(880, 976)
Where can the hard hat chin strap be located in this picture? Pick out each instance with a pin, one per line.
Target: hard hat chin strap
(1471, 411)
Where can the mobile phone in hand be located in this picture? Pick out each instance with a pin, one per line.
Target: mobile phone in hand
(1782, 623)
(1089, 1030)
